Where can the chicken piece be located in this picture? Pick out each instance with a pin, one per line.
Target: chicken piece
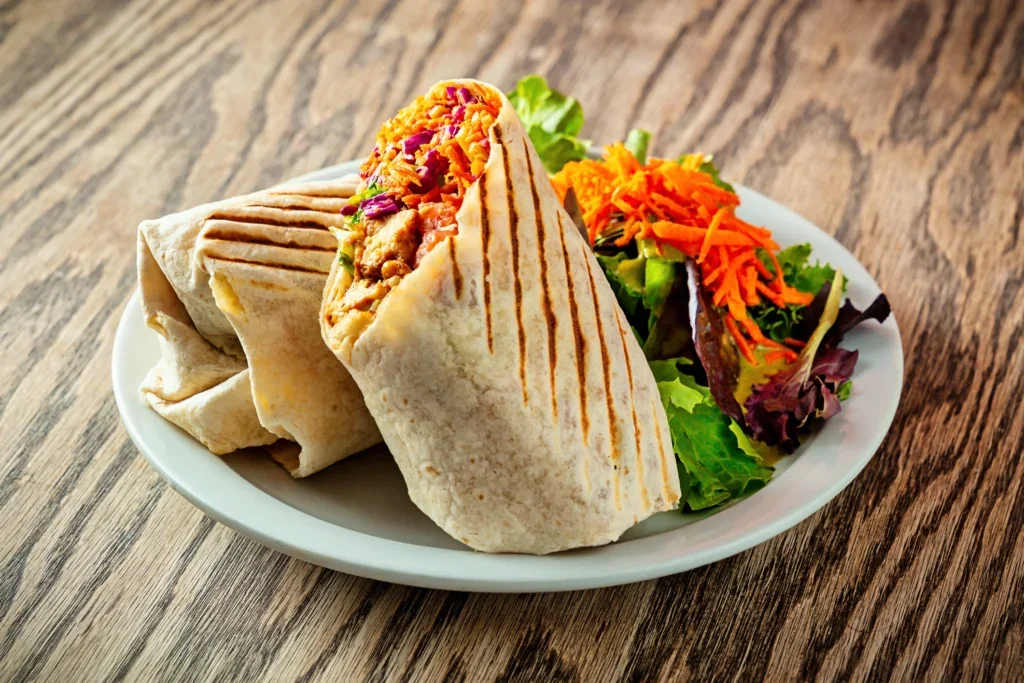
(362, 293)
(394, 239)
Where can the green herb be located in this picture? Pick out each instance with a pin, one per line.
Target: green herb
(552, 121)
(776, 322)
(636, 142)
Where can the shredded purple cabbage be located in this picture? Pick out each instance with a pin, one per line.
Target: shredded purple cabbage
(450, 90)
(466, 97)
(459, 113)
(430, 172)
(379, 205)
(414, 142)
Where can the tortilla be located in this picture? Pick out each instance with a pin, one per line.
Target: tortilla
(503, 375)
(233, 289)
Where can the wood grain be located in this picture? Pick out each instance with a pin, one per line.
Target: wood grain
(897, 126)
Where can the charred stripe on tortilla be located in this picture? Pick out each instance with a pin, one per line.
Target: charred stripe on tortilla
(549, 314)
(235, 236)
(636, 420)
(517, 285)
(456, 273)
(577, 333)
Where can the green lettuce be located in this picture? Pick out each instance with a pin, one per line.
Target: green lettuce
(636, 142)
(720, 460)
(645, 287)
(843, 392)
(552, 121)
(708, 166)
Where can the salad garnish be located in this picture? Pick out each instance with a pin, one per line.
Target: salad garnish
(676, 205)
(741, 336)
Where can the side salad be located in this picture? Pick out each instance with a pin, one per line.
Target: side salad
(742, 337)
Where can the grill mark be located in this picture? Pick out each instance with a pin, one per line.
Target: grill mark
(260, 220)
(266, 264)
(456, 273)
(549, 313)
(636, 422)
(517, 285)
(577, 333)
(229, 236)
(297, 207)
(485, 238)
(613, 427)
(661, 455)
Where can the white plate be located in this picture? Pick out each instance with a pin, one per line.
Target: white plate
(356, 517)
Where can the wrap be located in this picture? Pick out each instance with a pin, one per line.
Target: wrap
(233, 289)
(503, 376)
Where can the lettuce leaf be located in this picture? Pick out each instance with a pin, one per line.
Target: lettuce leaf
(651, 292)
(636, 142)
(843, 392)
(807, 389)
(627, 278)
(720, 461)
(552, 121)
(708, 166)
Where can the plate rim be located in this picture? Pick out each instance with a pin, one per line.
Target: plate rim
(430, 567)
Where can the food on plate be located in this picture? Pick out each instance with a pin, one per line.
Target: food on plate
(489, 348)
(741, 336)
(233, 289)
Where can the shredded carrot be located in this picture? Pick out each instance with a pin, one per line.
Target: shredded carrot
(451, 126)
(682, 233)
(795, 343)
(770, 294)
(741, 343)
(762, 271)
(795, 296)
(710, 232)
(750, 297)
(774, 356)
(755, 332)
(713, 275)
(674, 204)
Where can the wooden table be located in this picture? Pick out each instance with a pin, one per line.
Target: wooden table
(897, 126)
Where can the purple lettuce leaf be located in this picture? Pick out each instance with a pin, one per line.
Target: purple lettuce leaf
(776, 411)
(720, 361)
(848, 318)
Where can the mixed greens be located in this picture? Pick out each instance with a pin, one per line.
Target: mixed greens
(741, 336)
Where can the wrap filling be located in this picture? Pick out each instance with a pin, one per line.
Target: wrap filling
(413, 184)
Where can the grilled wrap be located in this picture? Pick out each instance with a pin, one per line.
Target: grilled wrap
(489, 348)
(233, 289)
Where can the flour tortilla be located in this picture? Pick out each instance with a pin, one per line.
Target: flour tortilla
(516, 401)
(233, 289)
